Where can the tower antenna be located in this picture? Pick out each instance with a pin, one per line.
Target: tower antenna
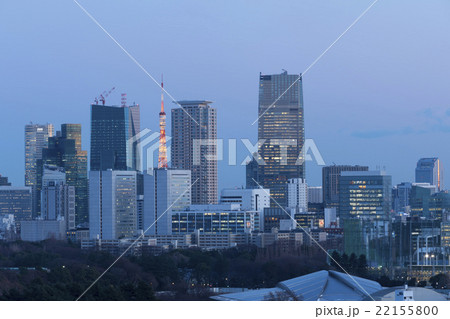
(162, 159)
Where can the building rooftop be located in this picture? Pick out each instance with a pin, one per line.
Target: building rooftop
(321, 285)
(193, 102)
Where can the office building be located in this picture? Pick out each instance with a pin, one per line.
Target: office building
(219, 218)
(251, 174)
(112, 132)
(64, 151)
(330, 182)
(36, 139)
(39, 229)
(165, 190)
(281, 133)
(315, 194)
(4, 181)
(248, 199)
(112, 204)
(400, 197)
(16, 201)
(364, 194)
(57, 197)
(194, 147)
(429, 170)
(297, 194)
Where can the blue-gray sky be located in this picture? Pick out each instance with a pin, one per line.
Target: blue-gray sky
(379, 97)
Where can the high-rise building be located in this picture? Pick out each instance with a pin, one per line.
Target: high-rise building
(64, 150)
(298, 194)
(315, 194)
(16, 201)
(251, 174)
(194, 147)
(36, 139)
(281, 133)
(57, 198)
(165, 190)
(365, 194)
(4, 181)
(330, 182)
(112, 204)
(429, 170)
(112, 132)
(400, 197)
(254, 199)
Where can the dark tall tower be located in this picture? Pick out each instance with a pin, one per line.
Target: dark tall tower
(429, 170)
(281, 133)
(194, 133)
(112, 129)
(64, 150)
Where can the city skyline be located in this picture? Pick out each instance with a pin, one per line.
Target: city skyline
(423, 112)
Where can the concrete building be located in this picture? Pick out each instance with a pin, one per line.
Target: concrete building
(281, 133)
(165, 190)
(36, 139)
(255, 199)
(112, 204)
(429, 170)
(39, 229)
(315, 194)
(400, 197)
(57, 198)
(194, 147)
(222, 218)
(297, 194)
(4, 181)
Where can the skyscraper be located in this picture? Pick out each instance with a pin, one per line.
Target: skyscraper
(64, 150)
(364, 194)
(194, 147)
(330, 182)
(281, 133)
(36, 139)
(165, 190)
(298, 194)
(112, 130)
(112, 204)
(429, 170)
(57, 198)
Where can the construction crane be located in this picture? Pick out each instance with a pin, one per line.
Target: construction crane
(103, 96)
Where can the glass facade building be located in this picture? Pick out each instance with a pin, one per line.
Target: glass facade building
(215, 220)
(364, 195)
(429, 170)
(112, 204)
(36, 139)
(16, 201)
(194, 147)
(112, 130)
(64, 150)
(330, 182)
(281, 133)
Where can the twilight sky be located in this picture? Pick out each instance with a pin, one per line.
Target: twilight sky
(379, 97)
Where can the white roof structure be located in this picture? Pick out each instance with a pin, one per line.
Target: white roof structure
(322, 285)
